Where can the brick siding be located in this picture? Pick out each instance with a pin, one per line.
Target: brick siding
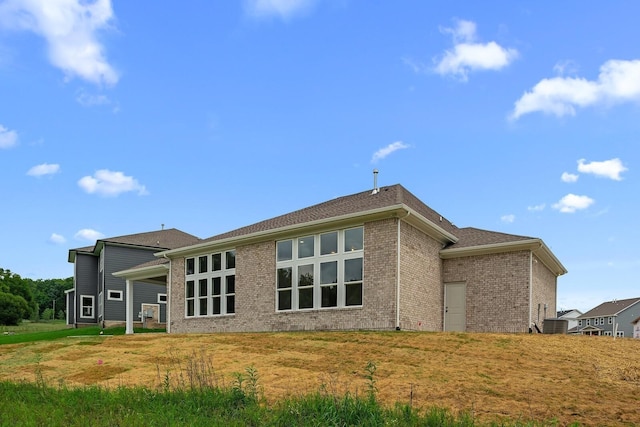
(256, 292)
(497, 290)
(421, 290)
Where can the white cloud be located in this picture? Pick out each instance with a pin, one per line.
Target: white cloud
(569, 177)
(467, 55)
(88, 234)
(571, 203)
(70, 29)
(508, 218)
(537, 208)
(109, 183)
(88, 100)
(8, 138)
(285, 9)
(608, 168)
(43, 169)
(385, 151)
(618, 81)
(58, 239)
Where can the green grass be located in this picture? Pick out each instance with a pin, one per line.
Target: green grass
(27, 326)
(27, 404)
(48, 335)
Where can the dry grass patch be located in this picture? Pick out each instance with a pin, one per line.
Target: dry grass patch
(538, 377)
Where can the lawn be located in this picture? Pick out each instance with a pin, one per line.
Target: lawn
(491, 376)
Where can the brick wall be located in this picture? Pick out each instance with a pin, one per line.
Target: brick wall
(421, 291)
(544, 292)
(255, 292)
(497, 290)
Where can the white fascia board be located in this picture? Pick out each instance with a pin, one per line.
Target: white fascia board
(282, 232)
(537, 246)
(394, 211)
(143, 272)
(429, 227)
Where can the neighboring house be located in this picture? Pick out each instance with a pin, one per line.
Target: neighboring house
(372, 260)
(612, 318)
(572, 317)
(98, 297)
(636, 328)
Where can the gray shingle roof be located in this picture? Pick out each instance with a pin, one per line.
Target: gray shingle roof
(470, 236)
(610, 308)
(171, 238)
(355, 203)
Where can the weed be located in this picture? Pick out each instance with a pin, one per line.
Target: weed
(372, 390)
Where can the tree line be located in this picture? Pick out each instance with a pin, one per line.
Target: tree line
(22, 298)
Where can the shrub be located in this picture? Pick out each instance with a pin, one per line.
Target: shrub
(13, 309)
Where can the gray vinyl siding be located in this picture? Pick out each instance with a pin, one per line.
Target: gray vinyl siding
(626, 317)
(86, 276)
(118, 258)
(71, 308)
(146, 293)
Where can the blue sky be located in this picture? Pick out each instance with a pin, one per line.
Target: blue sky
(520, 117)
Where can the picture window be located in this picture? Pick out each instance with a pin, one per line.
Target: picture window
(320, 271)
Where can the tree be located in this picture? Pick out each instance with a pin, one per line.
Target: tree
(13, 309)
(46, 291)
(12, 283)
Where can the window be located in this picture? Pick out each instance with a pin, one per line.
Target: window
(579, 322)
(588, 322)
(608, 333)
(86, 306)
(162, 298)
(602, 320)
(620, 334)
(610, 320)
(114, 295)
(320, 271)
(211, 290)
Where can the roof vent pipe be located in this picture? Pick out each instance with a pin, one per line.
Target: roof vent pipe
(376, 190)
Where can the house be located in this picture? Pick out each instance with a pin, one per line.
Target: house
(572, 318)
(611, 318)
(378, 259)
(636, 327)
(99, 298)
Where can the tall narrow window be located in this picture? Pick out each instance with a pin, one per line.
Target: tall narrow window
(202, 264)
(190, 297)
(284, 288)
(86, 306)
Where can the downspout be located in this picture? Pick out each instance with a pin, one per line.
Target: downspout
(168, 302)
(530, 286)
(398, 274)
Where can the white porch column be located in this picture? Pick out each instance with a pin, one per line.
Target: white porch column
(129, 303)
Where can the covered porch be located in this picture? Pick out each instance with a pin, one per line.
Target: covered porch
(154, 272)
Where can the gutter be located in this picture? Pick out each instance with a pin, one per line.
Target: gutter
(392, 211)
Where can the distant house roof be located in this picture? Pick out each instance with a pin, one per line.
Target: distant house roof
(610, 308)
(565, 312)
(171, 238)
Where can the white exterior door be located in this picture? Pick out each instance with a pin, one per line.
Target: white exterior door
(455, 307)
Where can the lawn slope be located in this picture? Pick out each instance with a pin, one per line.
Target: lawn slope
(590, 380)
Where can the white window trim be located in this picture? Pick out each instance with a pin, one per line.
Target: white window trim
(209, 275)
(340, 257)
(115, 298)
(160, 300)
(93, 303)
